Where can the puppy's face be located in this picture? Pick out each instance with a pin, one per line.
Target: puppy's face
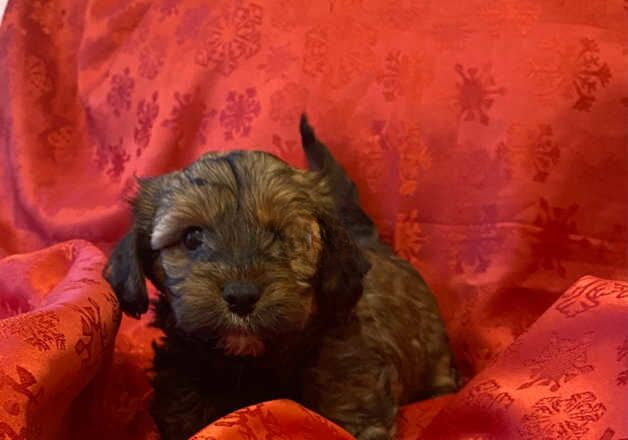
(239, 242)
(242, 246)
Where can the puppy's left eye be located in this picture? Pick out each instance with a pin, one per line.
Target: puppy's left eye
(193, 238)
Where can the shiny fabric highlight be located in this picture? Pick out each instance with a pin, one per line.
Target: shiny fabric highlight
(488, 139)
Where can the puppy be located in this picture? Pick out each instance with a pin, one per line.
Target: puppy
(274, 284)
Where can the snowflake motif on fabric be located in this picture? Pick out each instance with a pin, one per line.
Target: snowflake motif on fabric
(191, 24)
(189, 119)
(509, 16)
(476, 93)
(239, 113)
(452, 32)
(151, 60)
(40, 330)
(622, 355)
(474, 247)
(402, 14)
(48, 16)
(339, 53)
(277, 63)
(287, 104)
(231, 38)
(585, 296)
(112, 159)
(574, 72)
(552, 243)
(404, 76)
(561, 360)
(409, 237)
(532, 148)
(562, 418)
(147, 112)
(37, 80)
(119, 97)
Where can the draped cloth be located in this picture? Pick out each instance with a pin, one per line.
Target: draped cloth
(487, 138)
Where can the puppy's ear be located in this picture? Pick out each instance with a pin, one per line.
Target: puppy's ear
(341, 270)
(125, 272)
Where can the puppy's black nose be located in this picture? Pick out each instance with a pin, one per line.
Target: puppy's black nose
(241, 296)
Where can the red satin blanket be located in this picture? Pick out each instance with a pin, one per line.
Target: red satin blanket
(566, 377)
(488, 139)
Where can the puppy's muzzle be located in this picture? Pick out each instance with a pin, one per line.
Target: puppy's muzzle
(241, 297)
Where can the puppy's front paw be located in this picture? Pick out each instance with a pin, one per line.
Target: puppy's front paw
(375, 433)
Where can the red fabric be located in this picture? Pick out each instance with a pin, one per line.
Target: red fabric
(488, 139)
(58, 321)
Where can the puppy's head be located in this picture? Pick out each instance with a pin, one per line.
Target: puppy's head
(245, 249)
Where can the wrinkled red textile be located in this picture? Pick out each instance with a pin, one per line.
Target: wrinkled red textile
(565, 377)
(58, 321)
(488, 139)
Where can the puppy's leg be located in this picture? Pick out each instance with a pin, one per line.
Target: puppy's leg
(363, 401)
(444, 378)
(181, 405)
(178, 408)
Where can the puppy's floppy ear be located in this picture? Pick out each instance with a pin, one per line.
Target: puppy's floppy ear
(341, 270)
(126, 270)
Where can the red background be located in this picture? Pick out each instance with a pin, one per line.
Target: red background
(488, 139)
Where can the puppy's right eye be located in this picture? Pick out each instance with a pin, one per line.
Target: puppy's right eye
(193, 238)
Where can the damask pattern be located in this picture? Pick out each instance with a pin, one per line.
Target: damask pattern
(568, 418)
(476, 93)
(553, 382)
(559, 362)
(487, 140)
(50, 354)
(230, 37)
(239, 112)
(147, 112)
(41, 330)
(189, 119)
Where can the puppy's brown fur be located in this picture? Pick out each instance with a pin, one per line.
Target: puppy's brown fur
(342, 325)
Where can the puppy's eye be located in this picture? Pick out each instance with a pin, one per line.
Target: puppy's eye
(193, 238)
(275, 233)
